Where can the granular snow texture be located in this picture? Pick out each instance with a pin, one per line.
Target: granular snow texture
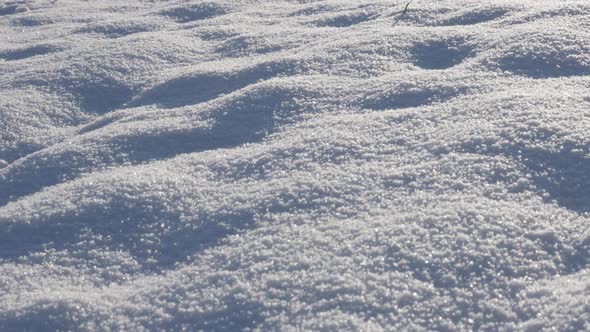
(294, 165)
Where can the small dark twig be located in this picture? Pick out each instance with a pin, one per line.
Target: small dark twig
(406, 9)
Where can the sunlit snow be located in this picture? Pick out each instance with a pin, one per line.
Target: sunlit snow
(288, 165)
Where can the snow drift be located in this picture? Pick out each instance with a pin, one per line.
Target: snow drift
(286, 165)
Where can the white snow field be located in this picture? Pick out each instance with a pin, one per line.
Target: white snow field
(329, 165)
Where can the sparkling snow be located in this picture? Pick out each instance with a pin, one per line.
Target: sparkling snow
(294, 165)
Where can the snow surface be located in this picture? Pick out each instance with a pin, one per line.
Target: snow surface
(294, 165)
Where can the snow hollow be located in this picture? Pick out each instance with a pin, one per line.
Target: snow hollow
(290, 165)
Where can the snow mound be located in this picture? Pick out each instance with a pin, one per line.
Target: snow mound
(294, 165)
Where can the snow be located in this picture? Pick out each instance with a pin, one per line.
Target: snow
(288, 165)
